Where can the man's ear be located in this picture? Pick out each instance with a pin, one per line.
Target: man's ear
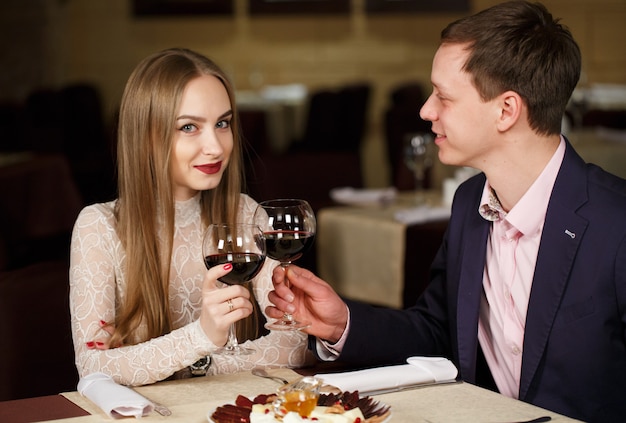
(511, 109)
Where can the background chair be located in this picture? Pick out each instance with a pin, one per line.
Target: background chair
(327, 156)
(615, 119)
(36, 352)
(88, 142)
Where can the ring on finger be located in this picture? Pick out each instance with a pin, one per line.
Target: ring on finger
(230, 304)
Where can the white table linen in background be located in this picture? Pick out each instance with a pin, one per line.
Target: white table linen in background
(422, 214)
(349, 195)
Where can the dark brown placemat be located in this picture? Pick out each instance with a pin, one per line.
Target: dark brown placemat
(28, 410)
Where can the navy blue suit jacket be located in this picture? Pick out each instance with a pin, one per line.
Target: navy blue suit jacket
(574, 355)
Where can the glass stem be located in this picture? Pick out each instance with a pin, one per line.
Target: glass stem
(232, 338)
(419, 187)
(288, 317)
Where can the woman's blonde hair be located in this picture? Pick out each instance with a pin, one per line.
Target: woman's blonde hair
(145, 206)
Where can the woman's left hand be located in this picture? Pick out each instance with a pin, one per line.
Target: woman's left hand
(222, 306)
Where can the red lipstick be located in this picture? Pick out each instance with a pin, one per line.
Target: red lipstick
(210, 168)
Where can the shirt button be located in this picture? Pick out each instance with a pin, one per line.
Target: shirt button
(515, 350)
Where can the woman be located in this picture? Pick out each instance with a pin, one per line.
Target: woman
(143, 305)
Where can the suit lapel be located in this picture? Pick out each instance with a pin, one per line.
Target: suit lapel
(471, 266)
(562, 232)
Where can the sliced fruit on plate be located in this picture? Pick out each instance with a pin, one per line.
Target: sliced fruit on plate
(372, 411)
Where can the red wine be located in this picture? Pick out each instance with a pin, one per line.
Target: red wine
(287, 245)
(245, 266)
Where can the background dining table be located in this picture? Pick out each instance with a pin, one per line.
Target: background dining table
(367, 254)
(193, 400)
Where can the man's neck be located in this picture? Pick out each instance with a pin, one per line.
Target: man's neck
(513, 172)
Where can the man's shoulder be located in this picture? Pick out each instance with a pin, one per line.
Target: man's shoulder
(599, 179)
(604, 197)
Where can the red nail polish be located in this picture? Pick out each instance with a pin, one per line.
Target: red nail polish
(228, 266)
(99, 344)
(103, 323)
(90, 344)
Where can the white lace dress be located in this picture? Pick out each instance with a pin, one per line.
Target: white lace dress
(97, 287)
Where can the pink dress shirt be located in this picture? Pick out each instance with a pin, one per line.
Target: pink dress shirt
(512, 249)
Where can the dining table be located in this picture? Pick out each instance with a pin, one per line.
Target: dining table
(193, 400)
(367, 253)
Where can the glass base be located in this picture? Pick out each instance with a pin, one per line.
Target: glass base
(419, 197)
(286, 324)
(236, 350)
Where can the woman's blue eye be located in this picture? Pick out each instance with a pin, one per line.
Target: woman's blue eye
(223, 124)
(189, 127)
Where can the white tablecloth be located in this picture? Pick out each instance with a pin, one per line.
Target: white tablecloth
(191, 399)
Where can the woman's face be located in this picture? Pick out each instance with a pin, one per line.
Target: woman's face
(203, 139)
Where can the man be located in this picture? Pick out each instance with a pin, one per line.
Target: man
(528, 290)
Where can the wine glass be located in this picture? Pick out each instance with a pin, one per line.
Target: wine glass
(242, 245)
(418, 157)
(289, 229)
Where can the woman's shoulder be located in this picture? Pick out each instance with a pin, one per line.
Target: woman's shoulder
(247, 203)
(103, 213)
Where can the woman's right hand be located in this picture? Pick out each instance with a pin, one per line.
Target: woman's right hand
(222, 306)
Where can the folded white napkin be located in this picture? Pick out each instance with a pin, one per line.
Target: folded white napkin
(422, 214)
(349, 195)
(114, 399)
(420, 370)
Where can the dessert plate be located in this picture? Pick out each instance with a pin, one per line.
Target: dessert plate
(371, 408)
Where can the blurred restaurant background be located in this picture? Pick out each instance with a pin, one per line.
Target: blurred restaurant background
(327, 90)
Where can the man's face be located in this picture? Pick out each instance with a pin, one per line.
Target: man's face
(464, 125)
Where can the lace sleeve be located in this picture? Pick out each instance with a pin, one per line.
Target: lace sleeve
(96, 286)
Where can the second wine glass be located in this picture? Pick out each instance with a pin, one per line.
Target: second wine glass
(243, 246)
(418, 157)
(289, 229)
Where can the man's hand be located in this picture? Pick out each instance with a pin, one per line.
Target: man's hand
(308, 298)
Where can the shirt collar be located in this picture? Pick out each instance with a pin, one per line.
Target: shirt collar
(529, 213)
(490, 208)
